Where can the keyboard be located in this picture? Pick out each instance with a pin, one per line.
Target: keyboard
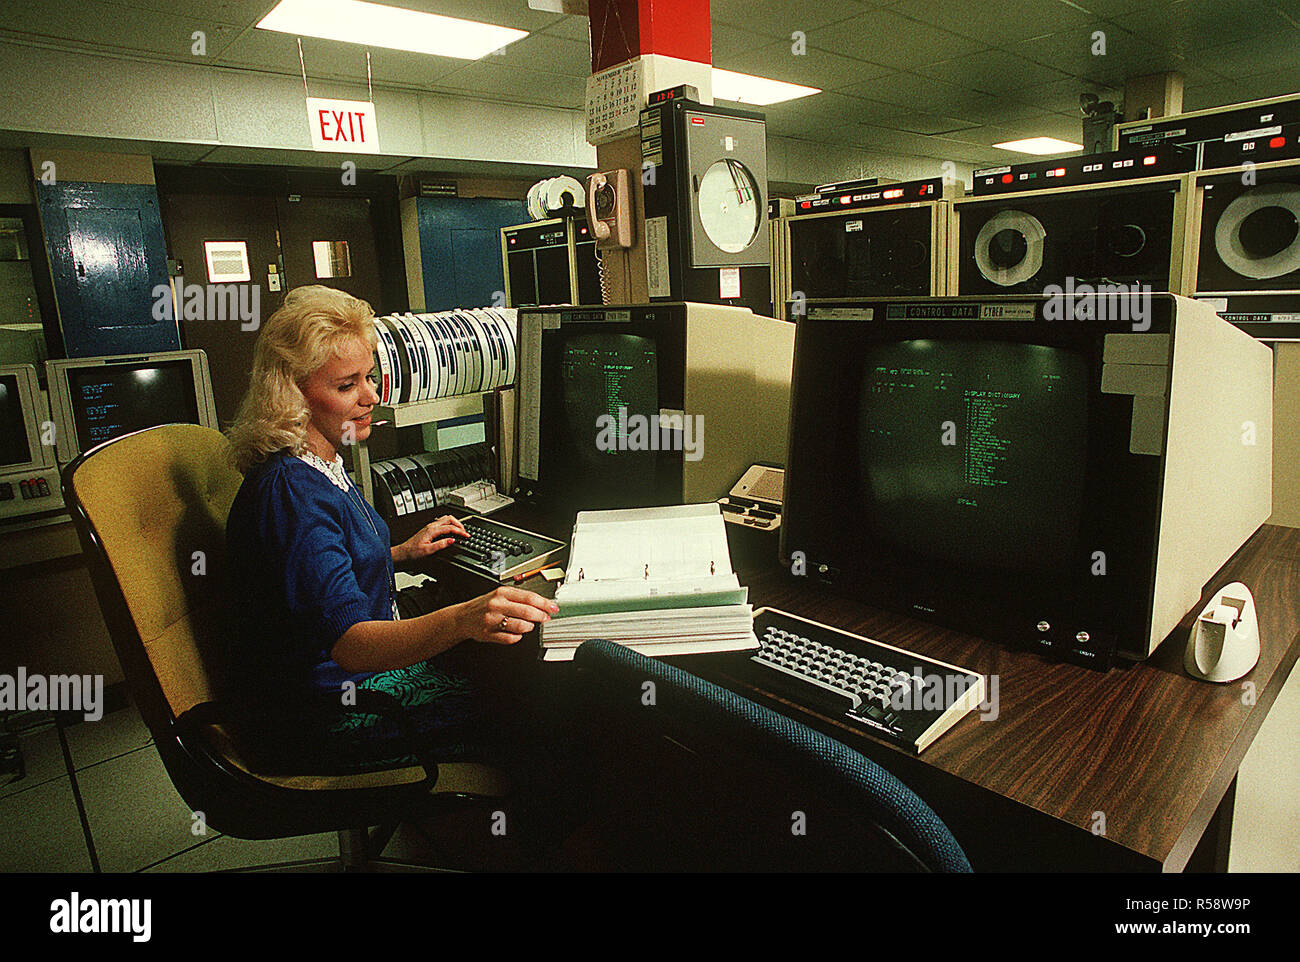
(500, 551)
(888, 692)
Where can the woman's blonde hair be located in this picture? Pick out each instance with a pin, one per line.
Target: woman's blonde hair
(310, 328)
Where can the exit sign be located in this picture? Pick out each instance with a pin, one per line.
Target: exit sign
(346, 126)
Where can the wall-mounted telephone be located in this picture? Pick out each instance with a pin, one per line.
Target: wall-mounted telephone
(609, 208)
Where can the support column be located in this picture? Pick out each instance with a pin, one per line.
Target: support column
(672, 42)
(1154, 95)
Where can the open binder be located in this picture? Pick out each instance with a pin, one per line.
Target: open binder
(658, 580)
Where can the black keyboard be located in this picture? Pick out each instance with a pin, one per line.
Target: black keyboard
(498, 550)
(885, 691)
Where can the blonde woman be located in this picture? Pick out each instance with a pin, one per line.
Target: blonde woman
(311, 567)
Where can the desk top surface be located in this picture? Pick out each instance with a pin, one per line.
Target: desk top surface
(1145, 744)
(1149, 747)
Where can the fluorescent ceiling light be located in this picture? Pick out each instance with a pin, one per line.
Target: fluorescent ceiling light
(377, 25)
(1040, 145)
(759, 91)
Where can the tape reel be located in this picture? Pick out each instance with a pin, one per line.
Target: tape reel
(1029, 229)
(423, 357)
(1233, 249)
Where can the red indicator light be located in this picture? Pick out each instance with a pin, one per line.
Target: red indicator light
(1277, 142)
(805, 205)
(1007, 178)
(1148, 161)
(846, 199)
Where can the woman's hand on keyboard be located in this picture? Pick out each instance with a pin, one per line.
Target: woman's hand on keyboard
(505, 615)
(434, 536)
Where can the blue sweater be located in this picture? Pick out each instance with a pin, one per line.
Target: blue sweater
(306, 562)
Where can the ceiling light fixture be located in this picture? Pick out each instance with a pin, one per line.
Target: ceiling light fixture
(377, 25)
(1040, 145)
(759, 91)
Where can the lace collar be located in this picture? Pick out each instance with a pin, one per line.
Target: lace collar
(333, 470)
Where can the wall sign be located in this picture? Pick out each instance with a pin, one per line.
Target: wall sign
(344, 126)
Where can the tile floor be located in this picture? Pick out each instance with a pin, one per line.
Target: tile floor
(140, 824)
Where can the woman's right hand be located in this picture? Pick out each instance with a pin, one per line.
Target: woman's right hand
(503, 616)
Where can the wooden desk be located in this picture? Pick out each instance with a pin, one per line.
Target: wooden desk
(1152, 751)
(1133, 769)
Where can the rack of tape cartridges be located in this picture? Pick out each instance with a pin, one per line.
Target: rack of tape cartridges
(421, 482)
(423, 357)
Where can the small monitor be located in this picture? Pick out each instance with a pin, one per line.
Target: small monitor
(647, 404)
(603, 385)
(22, 416)
(95, 400)
(29, 476)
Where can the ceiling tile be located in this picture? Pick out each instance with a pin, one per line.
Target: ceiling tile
(503, 13)
(1186, 25)
(780, 18)
(1279, 49)
(995, 24)
(885, 37)
(919, 122)
(992, 71)
(238, 12)
(1125, 55)
(518, 85)
(548, 54)
(729, 41)
(107, 27)
(813, 68)
(571, 27)
(333, 59)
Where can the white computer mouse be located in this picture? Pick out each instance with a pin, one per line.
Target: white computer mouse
(1224, 644)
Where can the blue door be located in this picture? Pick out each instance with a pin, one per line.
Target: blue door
(107, 258)
(460, 249)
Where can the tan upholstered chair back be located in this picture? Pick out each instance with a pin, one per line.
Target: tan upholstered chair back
(158, 500)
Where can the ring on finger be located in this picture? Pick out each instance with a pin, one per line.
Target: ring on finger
(504, 622)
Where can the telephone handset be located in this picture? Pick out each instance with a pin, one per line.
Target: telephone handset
(609, 208)
(756, 499)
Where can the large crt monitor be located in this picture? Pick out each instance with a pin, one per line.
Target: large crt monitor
(97, 399)
(1070, 484)
(645, 405)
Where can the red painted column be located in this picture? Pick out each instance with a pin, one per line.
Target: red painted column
(624, 29)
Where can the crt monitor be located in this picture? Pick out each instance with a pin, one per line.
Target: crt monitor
(986, 464)
(94, 400)
(29, 478)
(650, 404)
(590, 379)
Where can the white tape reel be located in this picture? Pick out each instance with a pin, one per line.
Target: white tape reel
(1027, 226)
(1227, 233)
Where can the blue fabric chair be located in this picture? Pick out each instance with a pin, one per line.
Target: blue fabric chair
(734, 727)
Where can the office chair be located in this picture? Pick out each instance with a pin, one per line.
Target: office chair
(746, 767)
(150, 511)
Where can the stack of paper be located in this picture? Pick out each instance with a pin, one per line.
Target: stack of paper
(658, 580)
